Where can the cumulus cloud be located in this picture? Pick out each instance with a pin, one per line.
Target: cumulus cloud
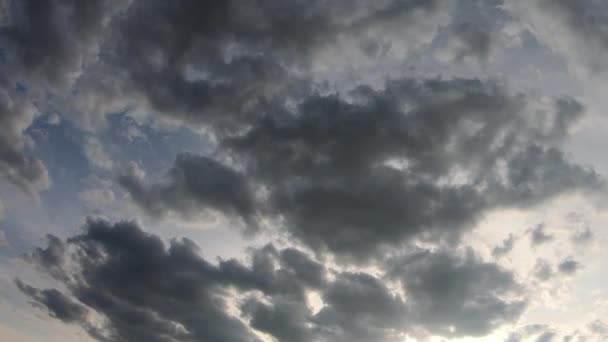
(353, 174)
(468, 39)
(147, 292)
(594, 331)
(569, 266)
(16, 166)
(414, 158)
(144, 289)
(542, 270)
(96, 154)
(58, 305)
(576, 29)
(582, 236)
(44, 47)
(504, 248)
(539, 236)
(314, 140)
(473, 31)
(209, 63)
(459, 296)
(194, 183)
(50, 259)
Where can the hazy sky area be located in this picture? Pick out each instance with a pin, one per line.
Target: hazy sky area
(303, 170)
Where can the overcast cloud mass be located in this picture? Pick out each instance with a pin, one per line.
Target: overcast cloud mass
(303, 171)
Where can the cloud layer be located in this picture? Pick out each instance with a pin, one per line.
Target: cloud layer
(144, 290)
(363, 142)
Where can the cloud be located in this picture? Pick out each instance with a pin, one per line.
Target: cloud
(459, 295)
(582, 236)
(538, 236)
(221, 64)
(505, 247)
(357, 173)
(569, 266)
(147, 292)
(50, 259)
(3, 240)
(194, 183)
(465, 39)
(285, 319)
(352, 174)
(316, 138)
(59, 306)
(143, 289)
(16, 166)
(599, 327)
(546, 337)
(594, 331)
(542, 270)
(211, 63)
(44, 47)
(50, 41)
(96, 154)
(576, 29)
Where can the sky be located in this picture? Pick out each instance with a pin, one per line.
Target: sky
(294, 171)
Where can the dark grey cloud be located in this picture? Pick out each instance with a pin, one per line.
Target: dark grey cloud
(474, 31)
(539, 236)
(16, 166)
(466, 39)
(543, 332)
(546, 337)
(474, 38)
(504, 248)
(459, 296)
(146, 290)
(373, 168)
(586, 21)
(574, 29)
(527, 332)
(50, 259)
(44, 45)
(348, 173)
(212, 63)
(48, 41)
(360, 307)
(569, 266)
(193, 184)
(201, 63)
(284, 319)
(542, 270)
(59, 305)
(370, 169)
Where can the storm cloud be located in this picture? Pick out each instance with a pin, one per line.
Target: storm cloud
(505, 247)
(193, 184)
(146, 290)
(350, 143)
(356, 173)
(197, 62)
(413, 159)
(458, 295)
(44, 46)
